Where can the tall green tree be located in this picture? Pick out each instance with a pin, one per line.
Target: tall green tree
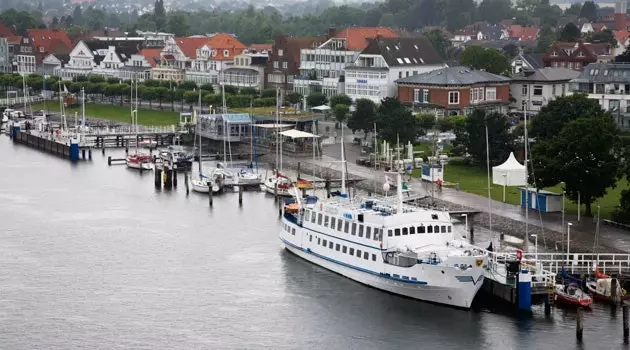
(472, 137)
(316, 99)
(622, 213)
(363, 117)
(489, 60)
(440, 42)
(605, 36)
(341, 99)
(589, 11)
(426, 122)
(570, 33)
(395, 122)
(294, 98)
(576, 143)
(341, 112)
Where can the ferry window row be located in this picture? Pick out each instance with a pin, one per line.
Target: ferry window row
(341, 225)
(289, 229)
(344, 249)
(419, 229)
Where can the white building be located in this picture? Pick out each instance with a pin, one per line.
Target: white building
(103, 57)
(321, 68)
(383, 61)
(609, 85)
(534, 89)
(248, 71)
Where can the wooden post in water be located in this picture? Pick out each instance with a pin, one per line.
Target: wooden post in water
(298, 171)
(275, 192)
(580, 324)
(613, 291)
(626, 330)
(327, 185)
(175, 176)
(90, 154)
(157, 176)
(240, 195)
(210, 196)
(109, 160)
(186, 183)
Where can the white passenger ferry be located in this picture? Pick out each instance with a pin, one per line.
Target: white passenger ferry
(396, 248)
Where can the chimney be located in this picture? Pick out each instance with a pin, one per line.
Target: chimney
(331, 32)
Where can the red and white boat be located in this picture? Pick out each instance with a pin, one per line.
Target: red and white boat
(601, 290)
(572, 295)
(139, 161)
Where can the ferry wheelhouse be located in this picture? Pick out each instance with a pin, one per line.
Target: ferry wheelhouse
(400, 249)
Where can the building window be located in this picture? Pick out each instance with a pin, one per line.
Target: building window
(538, 90)
(275, 64)
(425, 95)
(416, 95)
(280, 52)
(553, 89)
(491, 93)
(285, 65)
(226, 53)
(453, 97)
(400, 75)
(524, 90)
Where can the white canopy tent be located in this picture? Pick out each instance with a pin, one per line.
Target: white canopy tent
(297, 134)
(510, 173)
(321, 108)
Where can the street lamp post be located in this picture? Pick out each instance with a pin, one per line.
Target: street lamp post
(568, 240)
(466, 222)
(504, 184)
(535, 245)
(579, 206)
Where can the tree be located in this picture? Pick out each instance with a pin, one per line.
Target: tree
(207, 87)
(472, 137)
(426, 122)
(576, 143)
(605, 36)
(489, 60)
(546, 38)
(395, 122)
(440, 42)
(77, 16)
(178, 23)
(341, 99)
(570, 33)
(574, 10)
(589, 11)
(622, 213)
(316, 99)
(444, 124)
(363, 117)
(341, 112)
(159, 15)
(187, 85)
(161, 93)
(294, 98)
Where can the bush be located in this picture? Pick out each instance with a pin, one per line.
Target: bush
(238, 101)
(268, 93)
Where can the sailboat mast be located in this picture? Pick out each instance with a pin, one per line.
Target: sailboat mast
(83, 105)
(375, 154)
(224, 139)
(277, 131)
(488, 170)
(526, 240)
(343, 164)
(278, 113)
(197, 128)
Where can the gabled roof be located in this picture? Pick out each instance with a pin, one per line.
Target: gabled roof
(523, 33)
(49, 38)
(534, 59)
(151, 55)
(5, 31)
(547, 75)
(124, 49)
(219, 42)
(357, 36)
(621, 36)
(572, 49)
(407, 51)
(453, 76)
(598, 27)
(605, 73)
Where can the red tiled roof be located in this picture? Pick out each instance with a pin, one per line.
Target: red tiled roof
(261, 47)
(598, 27)
(621, 36)
(5, 31)
(50, 40)
(151, 55)
(219, 42)
(357, 36)
(523, 33)
(14, 39)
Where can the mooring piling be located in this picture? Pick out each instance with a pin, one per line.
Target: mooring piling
(579, 330)
(175, 176)
(158, 176)
(240, 195)
(626, 330)
(186, 183)
(210, 196)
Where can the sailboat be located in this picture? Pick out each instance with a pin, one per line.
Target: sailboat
(204, 184)
(283, 183)
(140, 161)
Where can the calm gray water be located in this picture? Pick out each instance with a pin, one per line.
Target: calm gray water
(94, 257)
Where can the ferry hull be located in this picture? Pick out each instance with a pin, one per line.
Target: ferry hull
(456, 296)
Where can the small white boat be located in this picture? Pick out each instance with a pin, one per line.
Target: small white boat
(203, 184)
(139, 161)
(5, 119)
(282, 183)
(248, 178)
(148, 143)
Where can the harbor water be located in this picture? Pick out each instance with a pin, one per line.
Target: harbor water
(95, 257)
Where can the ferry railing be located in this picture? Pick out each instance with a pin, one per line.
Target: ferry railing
(497, 269)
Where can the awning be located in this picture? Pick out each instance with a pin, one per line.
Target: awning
(321, 108)
(297, 134)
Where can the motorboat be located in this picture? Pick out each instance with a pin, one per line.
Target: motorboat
(177, 155)
(572, 295)
(601, 288)
(139, 161)
(148, 143)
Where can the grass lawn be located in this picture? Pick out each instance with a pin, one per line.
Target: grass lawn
(475, 180)
(117, 113)
(288, 112)
(427, 148)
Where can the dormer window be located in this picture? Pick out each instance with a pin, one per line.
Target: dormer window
(280, 52)
(41, 49)
(226, 53)
(580, 54)
(554, 54)
(214, 53)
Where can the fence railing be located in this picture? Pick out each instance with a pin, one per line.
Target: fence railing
(578, 263)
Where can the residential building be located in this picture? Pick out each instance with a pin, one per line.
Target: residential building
(108, 58)
(322, 68)
(383, 61)
(518, 32)
(609, 85)
(198, 58)
(154, 40)
(25, 58)
(46, 42)
(622, 37)
(248, 71)
(526, 61)
(577, 55)
(5, 63)
(534, 89)
(260, 49)
(589, 27)
(284, 61)
(455, 90)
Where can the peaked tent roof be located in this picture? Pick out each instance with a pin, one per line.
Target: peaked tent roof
(510, 164)
(297, 134)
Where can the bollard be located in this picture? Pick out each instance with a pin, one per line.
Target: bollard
(127, 147)
(109, 160)
(103, 150)
(175, 177)
(240, 195)
(626, 330)
(275, 192)
(298, 171)
(472, 234)
(90, 154)
(210, 196)
(186, 183)
(157, 176)
(83, 154)
(547, 305)
(580, 324)
(327, 185)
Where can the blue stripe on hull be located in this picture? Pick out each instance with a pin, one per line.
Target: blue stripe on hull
(379, 274)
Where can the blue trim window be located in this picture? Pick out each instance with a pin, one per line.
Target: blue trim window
(367, 232)
(373, 257)
(358, 253)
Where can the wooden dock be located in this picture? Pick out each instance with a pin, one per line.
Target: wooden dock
(68, 149)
